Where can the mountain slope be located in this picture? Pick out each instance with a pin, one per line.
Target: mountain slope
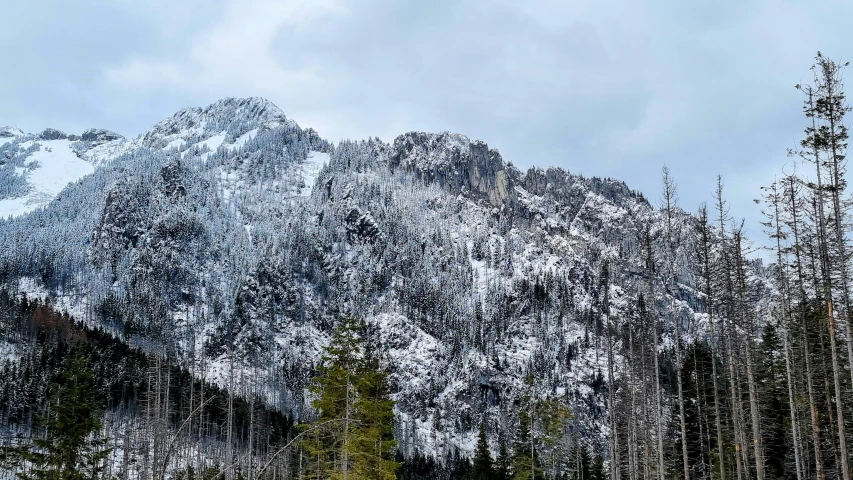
(231, 234)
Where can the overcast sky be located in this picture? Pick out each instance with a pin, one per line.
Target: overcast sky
(600, 87)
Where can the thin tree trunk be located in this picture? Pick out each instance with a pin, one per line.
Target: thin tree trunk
(827, 286)
(735, 415)
(712, 341)
(669, 200)
(801, 277)
(754, 416)
(829, 71)
(737, 419)
(755, 421)
(229, 429)
(795, 428)
(614, 461)
(654, 315)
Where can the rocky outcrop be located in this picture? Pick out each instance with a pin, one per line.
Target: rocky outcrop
(52, 134)
(457, 164)
(97, 136)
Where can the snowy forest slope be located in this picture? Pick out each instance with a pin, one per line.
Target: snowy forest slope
(229, 237)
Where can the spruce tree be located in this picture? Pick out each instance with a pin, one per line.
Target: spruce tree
(71, 448)
(353, 435)
(524, 464)
(502, 464)
(373, 437)
(483, 457)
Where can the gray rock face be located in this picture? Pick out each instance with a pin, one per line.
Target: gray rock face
(457, 164)
(98, 136)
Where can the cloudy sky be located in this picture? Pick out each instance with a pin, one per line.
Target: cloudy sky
(600, 87)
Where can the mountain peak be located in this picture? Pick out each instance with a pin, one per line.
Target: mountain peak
(257, 107)
(249, 109)
(230, 116)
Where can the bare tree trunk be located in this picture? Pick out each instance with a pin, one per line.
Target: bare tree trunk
(831, 82)
(633, 438)
(737, 418)
(795, 428)
(647, 437)
(199, 464)
(668, 203)
(229, 428)
(755, 421)
(614, 434)
(658, 414)
(776, 224)
(842, 438)
(798, 262)
(712, 341)
(738, 437)
(754, 417)
(819, 469)
(679, 362)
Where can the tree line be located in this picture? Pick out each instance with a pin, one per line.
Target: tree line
(759, 385)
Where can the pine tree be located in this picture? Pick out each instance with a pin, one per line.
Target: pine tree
(353, 435)
(483, 469)
(597, 469)
(503, 462)
(373, 436)
(71, 448)
(524, 461)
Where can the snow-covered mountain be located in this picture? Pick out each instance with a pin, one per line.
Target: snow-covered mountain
(233, 222)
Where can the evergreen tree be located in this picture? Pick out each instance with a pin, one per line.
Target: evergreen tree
(502, 464)
(71, 448)
(373, 440)
(353, 435)
(597, 469)
(524, 461)
(483, 457)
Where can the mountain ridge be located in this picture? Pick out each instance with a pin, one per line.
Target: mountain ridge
(229, 228)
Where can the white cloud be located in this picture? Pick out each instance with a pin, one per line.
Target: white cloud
(602, 87)
(236, 51)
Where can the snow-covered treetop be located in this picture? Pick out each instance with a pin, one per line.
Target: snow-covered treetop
(10, 132)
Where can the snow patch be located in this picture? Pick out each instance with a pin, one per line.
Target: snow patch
(245, 138)
(213, 142)
(311, 168)
(176, 143)
(56, 166)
